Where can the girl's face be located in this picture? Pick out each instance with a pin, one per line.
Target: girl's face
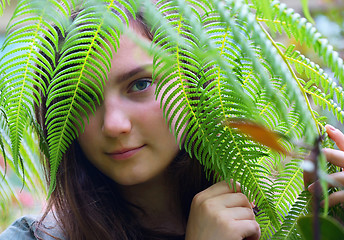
(127, 138)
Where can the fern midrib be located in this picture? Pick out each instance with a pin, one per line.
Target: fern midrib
(180, 71)
(292, 127)
(247, 77)
(60, 140)
(288, 185)
(271, 215)
(272, 21)
(309, 68)
(265, 232)
(294, 225)
(321, 98)
(219, 91)
(22, 90)
(205, 138)
(280, 199)
(293, 75)
(219, 72)
(181, 81)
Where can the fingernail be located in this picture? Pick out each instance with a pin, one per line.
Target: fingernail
(310, 188)
(330, 127)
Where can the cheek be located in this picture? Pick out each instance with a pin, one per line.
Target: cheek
(159, 128)
(85, 141)
(151, 113)
(174, 120)
(152, 122)
(90, 134)
(174, 112)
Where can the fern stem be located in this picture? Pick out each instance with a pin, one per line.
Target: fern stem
(219, 73)
(180, 76)
(294, 76)
(271, 21)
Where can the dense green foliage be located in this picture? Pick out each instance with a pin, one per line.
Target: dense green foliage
(216, 61)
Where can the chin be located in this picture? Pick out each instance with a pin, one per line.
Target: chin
(131, 179)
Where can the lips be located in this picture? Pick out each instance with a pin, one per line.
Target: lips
(124, 153)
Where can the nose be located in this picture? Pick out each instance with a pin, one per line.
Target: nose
(116, 120)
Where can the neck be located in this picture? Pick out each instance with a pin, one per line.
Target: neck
(159, 201)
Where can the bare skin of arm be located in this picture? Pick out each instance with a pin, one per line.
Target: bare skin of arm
(221, 213)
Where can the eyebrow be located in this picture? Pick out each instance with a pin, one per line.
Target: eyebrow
(123, 77)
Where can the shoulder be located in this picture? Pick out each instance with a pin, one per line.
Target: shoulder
(29, 228)
(20, 229)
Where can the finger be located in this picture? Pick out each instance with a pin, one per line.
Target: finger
(249, 229)
(231, 200)
(337, 178)
(335, 157)
(335, 198)
(218, 189)
(336, 135)
(238, 213)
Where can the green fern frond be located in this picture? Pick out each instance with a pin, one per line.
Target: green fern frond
(325, 101)
(30, 151)
(263, 6)
(31, 14)
(20, 67)
(288, 183)
(275, 60)
(318, 78)
(292, 132)
(286, 188)
(203, 139)
(295, 131)
(233, 157)
(288, 229)
(3, 129)
(3, 6)
(305, 32)
(31, 172)
(180, 73)
(81, 73)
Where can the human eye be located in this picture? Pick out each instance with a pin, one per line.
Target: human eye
(140, 85)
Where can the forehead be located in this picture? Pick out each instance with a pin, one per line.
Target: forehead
(129, 48)
(127, 57)
(130, 54)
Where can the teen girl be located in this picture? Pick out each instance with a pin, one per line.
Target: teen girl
(125, 177)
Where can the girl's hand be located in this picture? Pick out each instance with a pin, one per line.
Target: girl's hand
(220, 213)
(335, 157)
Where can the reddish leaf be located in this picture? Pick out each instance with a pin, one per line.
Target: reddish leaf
(258, 133)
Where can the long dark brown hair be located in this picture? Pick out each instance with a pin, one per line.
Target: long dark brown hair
(88, 205)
